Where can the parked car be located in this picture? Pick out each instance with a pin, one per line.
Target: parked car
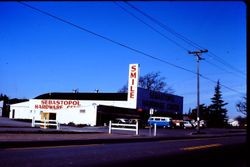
(121, 121)
(203, 123)
(187, 124)
(160, 122)
(177, 123)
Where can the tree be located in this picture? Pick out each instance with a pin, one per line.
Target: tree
(5, 108)
(124, 89)
(203, 110)
(217, 112)
(241, 106)
(7, 102)
(151, 81)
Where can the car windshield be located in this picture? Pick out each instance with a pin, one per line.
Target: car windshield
(121, 120)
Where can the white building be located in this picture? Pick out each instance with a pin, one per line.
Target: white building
(98, 108)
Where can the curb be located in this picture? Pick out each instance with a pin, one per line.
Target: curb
(132, 139)
(48, 132)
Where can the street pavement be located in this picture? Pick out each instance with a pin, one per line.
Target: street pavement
(15, 133)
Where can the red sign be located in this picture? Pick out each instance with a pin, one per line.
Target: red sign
(57, 104)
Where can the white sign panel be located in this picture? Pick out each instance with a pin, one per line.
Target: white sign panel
(133, 78)
(49, 104)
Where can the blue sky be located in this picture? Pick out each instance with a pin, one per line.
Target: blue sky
(40, 54)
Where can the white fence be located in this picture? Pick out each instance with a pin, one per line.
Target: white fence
(45, 123)
(150, 131)
(121, 126)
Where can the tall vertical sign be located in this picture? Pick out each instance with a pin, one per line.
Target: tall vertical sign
(133, 78)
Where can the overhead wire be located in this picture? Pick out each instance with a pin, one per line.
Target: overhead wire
(164, 26)
(227, 64)
(185, 39)
(115, 42)
(174, 33)
(168, 29)
(105, 38)
(216, 66)
(221, 84)
(176, 43)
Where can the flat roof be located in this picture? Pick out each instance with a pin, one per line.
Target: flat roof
(84, 96)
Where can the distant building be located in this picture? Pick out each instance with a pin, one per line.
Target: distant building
(98, 108)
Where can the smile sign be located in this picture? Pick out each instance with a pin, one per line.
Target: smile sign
(133, 83)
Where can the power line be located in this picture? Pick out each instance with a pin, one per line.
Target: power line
(220, 84)
(198, 56)
(176, 43)
(165, 26)
(227, 64)
(174, 33)
(105, 38)
(222, 69)
(115, 42)
(188, 41)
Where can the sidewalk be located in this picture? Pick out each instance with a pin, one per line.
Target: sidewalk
(21, 134)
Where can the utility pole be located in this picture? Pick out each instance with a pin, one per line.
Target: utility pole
(198, 58)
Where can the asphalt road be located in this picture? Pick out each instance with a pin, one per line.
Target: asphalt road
(217, 151)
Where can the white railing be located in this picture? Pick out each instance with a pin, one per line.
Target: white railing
(45, 123)
(121, 126)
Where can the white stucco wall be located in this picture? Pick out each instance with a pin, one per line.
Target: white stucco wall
(80, 115)
(21, 111)
(76, 111)
(84, 113)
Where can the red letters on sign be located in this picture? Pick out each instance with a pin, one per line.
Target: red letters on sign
(132, 78)
(133, 68)
(133, 75)
(132, 92)
(132, 95)
(57, 104)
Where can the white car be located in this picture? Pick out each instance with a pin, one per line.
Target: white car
(121, 121)
(187, 124)
(203, 123)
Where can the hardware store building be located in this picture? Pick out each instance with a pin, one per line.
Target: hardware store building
(98, 108)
